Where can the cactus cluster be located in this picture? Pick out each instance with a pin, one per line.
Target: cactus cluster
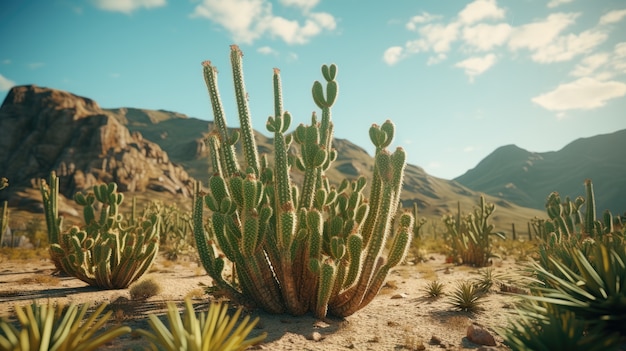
(469, 237)
(106, 252)
(295, 248)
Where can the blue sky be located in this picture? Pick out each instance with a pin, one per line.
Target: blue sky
(458, 78)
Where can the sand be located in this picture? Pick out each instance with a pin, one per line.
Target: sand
(401, 317)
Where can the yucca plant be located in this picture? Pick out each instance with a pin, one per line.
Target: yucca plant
(294, 249)
(541, 326)
(434, 289)
(106, 252)
(211, 331)
(466, 296)
(49, 327)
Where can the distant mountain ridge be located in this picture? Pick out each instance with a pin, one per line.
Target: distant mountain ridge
(527, 178)
(175, 154)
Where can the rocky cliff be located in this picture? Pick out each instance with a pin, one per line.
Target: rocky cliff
(44, 130)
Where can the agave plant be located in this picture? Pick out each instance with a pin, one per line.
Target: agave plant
(47, 327)
(434, 289)
(541, 326)
(213, 331)
(466, 296)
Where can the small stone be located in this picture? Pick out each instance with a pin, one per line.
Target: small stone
(435, 340)
(315, 336)
(480, 336)
(400, 296)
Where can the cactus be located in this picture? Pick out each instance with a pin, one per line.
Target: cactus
(296, 249)
(54, 223)
(469, 237)
(106, 252)
(4, 214)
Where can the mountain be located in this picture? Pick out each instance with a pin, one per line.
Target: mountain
(44, 130)
(71, 128)
(527, 178)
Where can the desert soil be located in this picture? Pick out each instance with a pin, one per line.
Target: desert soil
(401, 317)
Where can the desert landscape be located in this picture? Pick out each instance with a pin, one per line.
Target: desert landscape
(401, 317)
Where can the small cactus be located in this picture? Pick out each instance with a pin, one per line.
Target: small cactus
(296, 249)
(106, 252)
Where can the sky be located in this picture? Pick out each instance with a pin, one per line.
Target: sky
(458, 78)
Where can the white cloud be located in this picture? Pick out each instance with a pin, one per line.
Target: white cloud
(469, 148)
(5, 83)
(584, 93)
(127, 6)
(433, 60)
(555, 3)
(393, 55)
(35, 65)
(613, 16)
(425, 17)
(479, 10)
(6, 62)
(590, 64)
(485, 37)
(536, 35)
(247, 20)
(564, 48)
(438, 37)
(266, 50)
(477, 65)
(434, 165)
(303, 4)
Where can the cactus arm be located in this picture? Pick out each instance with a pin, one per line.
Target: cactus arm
(590, 214)
(249, 142)
(229, 159)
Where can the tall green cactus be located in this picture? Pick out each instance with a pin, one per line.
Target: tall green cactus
(54, 223)
(4, 212)
(296, 249)
(106, 252)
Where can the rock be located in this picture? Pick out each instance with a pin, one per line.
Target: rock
(435, 340)
(480, 336)
(44, 130)
(315, 336)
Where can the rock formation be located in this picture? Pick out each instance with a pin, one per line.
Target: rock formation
(44, 130)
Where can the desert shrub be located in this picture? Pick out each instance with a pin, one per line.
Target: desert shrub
(49, 327)
(214, 330)
(296, 249)
(434, 289)
(469, 237)
(175, 228)
(144, 288)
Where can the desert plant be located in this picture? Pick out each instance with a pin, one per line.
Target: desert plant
(144, 288)
(294, 249)
(104, 252)
(49, 327)
(210, 331)
(4, 212)
(176, 229)
(469, 237)
(466, 296)
(541, 326)
(434, 289)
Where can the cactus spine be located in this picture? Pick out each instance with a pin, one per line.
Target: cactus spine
(297, 249)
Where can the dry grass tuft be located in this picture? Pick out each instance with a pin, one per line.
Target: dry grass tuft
(144, 289)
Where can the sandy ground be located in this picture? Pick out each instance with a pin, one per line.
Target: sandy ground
(401, 317)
